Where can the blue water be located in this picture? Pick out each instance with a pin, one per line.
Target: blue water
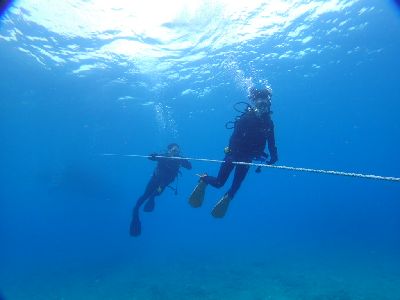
(80, 79)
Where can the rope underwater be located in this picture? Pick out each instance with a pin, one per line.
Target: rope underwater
(309, 170)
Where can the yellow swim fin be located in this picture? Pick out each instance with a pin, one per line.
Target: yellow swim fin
(221, 207)
(197, 197)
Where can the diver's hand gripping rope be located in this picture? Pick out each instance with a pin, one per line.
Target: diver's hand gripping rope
(309, 170)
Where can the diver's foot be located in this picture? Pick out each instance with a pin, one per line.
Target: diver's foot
(136, 227)
(149, 206)
(221, 207)
(197, 197)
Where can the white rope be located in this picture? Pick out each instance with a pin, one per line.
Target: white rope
(309, 170)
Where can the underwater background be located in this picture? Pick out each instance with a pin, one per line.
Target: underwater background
(80, 79)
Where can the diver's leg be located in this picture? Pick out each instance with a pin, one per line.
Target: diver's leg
(151, 188)
(161, 183)
(240, 174)
(150, 204)
(196, 198)
(223, 174)
(221, 207)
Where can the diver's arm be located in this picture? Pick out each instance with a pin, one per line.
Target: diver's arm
(153, 156)
(186, 164)
(158, 157)
(273, 151)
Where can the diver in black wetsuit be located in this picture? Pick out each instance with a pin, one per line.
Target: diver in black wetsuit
(252, 130)
(165, 173)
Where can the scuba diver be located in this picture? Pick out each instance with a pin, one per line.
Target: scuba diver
(164, 174)
(251, 132)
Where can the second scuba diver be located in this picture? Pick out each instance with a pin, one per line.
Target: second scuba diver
(252, 130)
(165, 173)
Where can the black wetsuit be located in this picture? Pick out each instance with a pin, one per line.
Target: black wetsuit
(249, 138)
(164, 174)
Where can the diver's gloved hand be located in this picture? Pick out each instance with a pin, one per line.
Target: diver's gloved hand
(227, 150)
(152, 156)
(262, 157)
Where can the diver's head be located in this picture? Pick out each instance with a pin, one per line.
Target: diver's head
(173, 149)
(261, 99)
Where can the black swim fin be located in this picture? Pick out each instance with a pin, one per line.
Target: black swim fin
(136, 226)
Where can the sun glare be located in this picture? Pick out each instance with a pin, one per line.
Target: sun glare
(154, 29)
